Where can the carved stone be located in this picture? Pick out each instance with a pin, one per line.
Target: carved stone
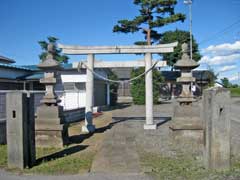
(51, 130)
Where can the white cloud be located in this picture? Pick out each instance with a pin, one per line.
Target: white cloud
(221, 54)
(233, 78)
(218, 60)
(227, 68)
(223, 49)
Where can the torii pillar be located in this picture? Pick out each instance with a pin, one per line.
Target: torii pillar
(149, 94)
(89, 127)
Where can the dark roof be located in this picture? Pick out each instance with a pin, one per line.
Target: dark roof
(35, 76)
(5, 60)
(10, 66)
(122, 73)
(201, 75)
(125, 73)
(35, 68)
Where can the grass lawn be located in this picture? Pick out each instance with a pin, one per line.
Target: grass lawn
(187, 168)
(235, 91)
(76, 158)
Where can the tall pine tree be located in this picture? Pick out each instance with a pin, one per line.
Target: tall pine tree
(153, 14)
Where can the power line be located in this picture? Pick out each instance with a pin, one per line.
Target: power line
(216, 35)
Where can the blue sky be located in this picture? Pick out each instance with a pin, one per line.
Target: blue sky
(25, 22)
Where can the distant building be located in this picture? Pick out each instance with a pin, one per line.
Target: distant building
(202, 80)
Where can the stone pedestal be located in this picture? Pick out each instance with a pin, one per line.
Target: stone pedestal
(51, 131)
(187, 124)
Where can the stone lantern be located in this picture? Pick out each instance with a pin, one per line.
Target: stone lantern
(50, 128)
(186, 122)
(185, 65)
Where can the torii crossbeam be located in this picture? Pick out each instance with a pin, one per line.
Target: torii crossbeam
(90, 51)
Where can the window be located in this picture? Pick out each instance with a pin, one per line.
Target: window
(80, 86)
(71, 86)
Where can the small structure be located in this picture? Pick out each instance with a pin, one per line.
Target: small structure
(50, 129)
(186, 119)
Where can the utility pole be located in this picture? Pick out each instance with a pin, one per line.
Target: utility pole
(189, 3)
(238, 78)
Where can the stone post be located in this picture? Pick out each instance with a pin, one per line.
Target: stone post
(216, 116)
(20, 130)
(149, 93)
(89, 127)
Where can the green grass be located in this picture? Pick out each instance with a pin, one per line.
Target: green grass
(3, 156)
(235, 91)
(65, 164)
(183, 167)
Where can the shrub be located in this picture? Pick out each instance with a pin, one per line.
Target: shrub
(138, 86)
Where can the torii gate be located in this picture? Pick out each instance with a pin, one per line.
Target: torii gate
(90, 51)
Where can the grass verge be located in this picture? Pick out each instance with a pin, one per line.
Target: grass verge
(183, 167)
(66, 164)
(235, 92)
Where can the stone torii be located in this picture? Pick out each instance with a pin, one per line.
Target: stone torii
(90, 51)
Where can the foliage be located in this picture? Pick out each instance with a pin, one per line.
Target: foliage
(153, 14)
(226, 83)
(212, 76)
(113, 88)
(181, 37)
(58, 56)
(138, 86)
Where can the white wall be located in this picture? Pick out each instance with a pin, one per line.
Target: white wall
(74, 99)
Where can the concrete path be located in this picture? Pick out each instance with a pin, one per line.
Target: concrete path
(118, 153)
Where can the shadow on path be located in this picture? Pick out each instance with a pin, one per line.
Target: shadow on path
(158, 120)
(76, 139)
(60, 154)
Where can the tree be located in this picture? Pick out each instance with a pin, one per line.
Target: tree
(138, 86)
(181, 37)
(226, 83)
(58, 56)
(153, 14)
(212, 76)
